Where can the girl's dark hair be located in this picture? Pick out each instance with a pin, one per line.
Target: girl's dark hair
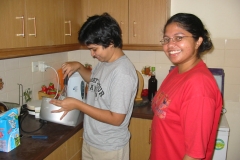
(194, 25)
(101, 30)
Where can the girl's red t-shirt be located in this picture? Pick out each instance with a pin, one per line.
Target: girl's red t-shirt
(186, 110)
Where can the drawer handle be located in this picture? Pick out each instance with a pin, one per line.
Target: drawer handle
(150, 132)
(23, 29)
(121, 24)
(35, 28)
(134, 32)
(70, 28)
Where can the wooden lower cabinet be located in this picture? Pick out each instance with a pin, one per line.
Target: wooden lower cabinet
(70, 150)
(140, 141)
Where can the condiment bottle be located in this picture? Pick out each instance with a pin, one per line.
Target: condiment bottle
(152, 85)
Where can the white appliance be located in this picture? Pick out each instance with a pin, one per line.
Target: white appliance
(73, 117)
(221, 146)
(76, 87)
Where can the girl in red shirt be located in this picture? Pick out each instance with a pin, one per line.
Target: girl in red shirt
(188, 103)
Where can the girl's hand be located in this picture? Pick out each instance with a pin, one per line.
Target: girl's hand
(66, 105)
(70, 67)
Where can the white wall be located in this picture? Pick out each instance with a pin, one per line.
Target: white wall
(18, 71)
(221, 17)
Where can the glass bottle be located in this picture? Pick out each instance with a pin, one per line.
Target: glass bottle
(152, 85)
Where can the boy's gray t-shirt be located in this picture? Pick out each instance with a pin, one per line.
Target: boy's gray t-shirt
(112, 87)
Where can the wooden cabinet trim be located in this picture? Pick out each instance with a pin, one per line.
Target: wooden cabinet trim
(32, 51)
(138, 47)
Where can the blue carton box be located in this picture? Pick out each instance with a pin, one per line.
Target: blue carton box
(9, 130)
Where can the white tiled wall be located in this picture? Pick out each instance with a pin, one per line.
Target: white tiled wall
(18, 71)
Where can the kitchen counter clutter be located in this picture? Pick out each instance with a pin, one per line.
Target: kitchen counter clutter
(38, 149)
(57, 136)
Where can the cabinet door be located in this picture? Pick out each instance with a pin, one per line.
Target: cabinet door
(45, 22)
(70, 150)
(74, 146)
(140, 130)
(12, 26)
(118, 9)
(59, 154)
(72, 21)
(146, 21)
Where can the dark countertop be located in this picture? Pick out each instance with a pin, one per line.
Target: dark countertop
(38, 149)
(143, 110)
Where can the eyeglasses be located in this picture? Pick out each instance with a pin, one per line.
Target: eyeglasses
(166, 40)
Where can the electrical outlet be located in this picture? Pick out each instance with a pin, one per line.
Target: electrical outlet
(35, 67)
(42, 66)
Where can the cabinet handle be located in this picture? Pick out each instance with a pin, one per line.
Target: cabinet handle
(35, 28)
(121, 24)
(134, 33)
(23, 29)
(150, 132)
(70, 28)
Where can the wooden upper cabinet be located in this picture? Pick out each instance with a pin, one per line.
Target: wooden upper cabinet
(118, 9)
(33, 27)
(33, 23)
(12, 17)
(45, 22)
(27, 23)
(141, 21)
(146, 20)
(72, 21)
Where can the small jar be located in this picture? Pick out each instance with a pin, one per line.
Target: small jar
(147, 70)
(1, 84)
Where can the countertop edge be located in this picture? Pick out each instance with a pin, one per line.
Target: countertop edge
(142, 116)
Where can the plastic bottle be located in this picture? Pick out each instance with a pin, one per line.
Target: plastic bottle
(152, 85)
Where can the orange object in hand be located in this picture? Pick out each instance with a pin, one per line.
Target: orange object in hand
(60, 75)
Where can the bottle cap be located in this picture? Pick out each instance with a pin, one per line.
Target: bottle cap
(153, 68)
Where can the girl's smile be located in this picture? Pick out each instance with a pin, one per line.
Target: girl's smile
(180, 47)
